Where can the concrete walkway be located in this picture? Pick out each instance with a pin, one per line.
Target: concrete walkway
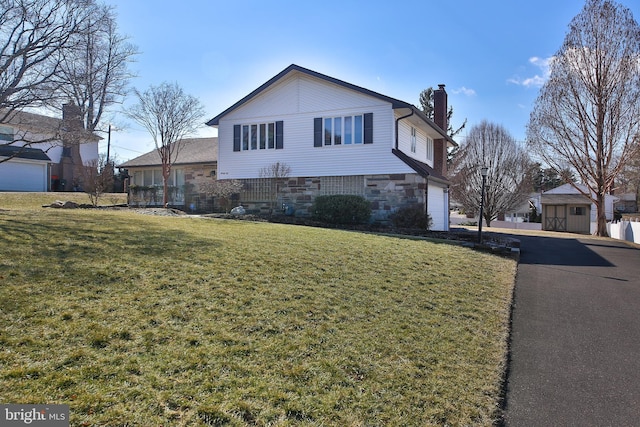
(575, 343)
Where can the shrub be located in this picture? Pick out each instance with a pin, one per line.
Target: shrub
(412, 217)
(341, 209)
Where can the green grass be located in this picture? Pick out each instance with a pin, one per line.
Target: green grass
(139, 320)
(36, 200)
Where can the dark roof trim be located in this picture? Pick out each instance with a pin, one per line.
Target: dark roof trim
(23, 153)
(423, 169)
(395, 103)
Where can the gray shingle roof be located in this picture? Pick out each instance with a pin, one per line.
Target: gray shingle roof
(39, 123)
(194, 151)
(23, 153)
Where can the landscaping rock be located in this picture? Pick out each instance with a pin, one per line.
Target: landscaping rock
(238, 210)
(59, 204)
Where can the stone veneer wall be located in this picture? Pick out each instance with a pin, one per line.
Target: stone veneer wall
(387, 193)
(195, 200)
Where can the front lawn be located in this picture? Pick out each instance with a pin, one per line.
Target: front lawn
(145, 321)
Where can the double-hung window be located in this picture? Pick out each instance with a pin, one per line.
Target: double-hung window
(429, 149)
(258, 136)
(6, 133)
(413, 139)
(343, 130)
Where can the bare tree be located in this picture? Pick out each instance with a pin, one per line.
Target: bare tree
(223, 189)
(94, 73)
(587, 116)
(34, 36)
(170, 115)
(97, 178)
(509, 179)
(276, 172)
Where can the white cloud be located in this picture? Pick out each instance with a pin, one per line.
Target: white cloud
(539, 78)
(465, 91)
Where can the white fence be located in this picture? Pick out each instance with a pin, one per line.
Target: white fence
(516, 225)
(625, 230)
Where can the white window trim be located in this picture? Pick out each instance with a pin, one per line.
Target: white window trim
(270, 144)
(429, 148)
(343, 129)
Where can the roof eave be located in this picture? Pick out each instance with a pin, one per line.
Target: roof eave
(395, 103)
(423, 117)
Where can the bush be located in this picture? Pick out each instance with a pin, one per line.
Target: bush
(412, 217)
(341, 209)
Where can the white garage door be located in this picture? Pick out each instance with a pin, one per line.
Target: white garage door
(17, 175)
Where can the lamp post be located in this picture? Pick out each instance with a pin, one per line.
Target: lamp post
(108, 142)
(484, 170)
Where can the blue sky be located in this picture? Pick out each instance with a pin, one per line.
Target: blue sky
(491, 54)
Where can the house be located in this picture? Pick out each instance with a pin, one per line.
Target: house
(564, 208)
(523, 212)
(27, 169)
(627, 203)
(45, 153)
(335, 138)
(196, 163)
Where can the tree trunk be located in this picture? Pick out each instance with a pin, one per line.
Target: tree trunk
(165, 185)
(601, 229)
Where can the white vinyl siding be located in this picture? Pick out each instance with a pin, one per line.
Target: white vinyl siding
(423, 149)
(297, 101)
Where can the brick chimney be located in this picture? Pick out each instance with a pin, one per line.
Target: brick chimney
(72, 117)
(71, 160)
(440, 119)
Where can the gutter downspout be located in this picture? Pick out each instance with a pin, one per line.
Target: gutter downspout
(397, 121)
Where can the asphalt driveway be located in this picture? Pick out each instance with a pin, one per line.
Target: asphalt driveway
(575, 343)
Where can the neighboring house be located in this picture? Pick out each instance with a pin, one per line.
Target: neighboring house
(28, 169)
(522, 213)
(59, 151)
(564, 208)
(627, 203)
(195, 164)
(336, 138)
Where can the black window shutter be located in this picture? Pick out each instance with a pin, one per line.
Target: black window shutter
(279, 135)
(317, 132)
(368, 128)
(236, 137)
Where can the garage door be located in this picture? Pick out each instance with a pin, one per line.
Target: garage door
(17, 175)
